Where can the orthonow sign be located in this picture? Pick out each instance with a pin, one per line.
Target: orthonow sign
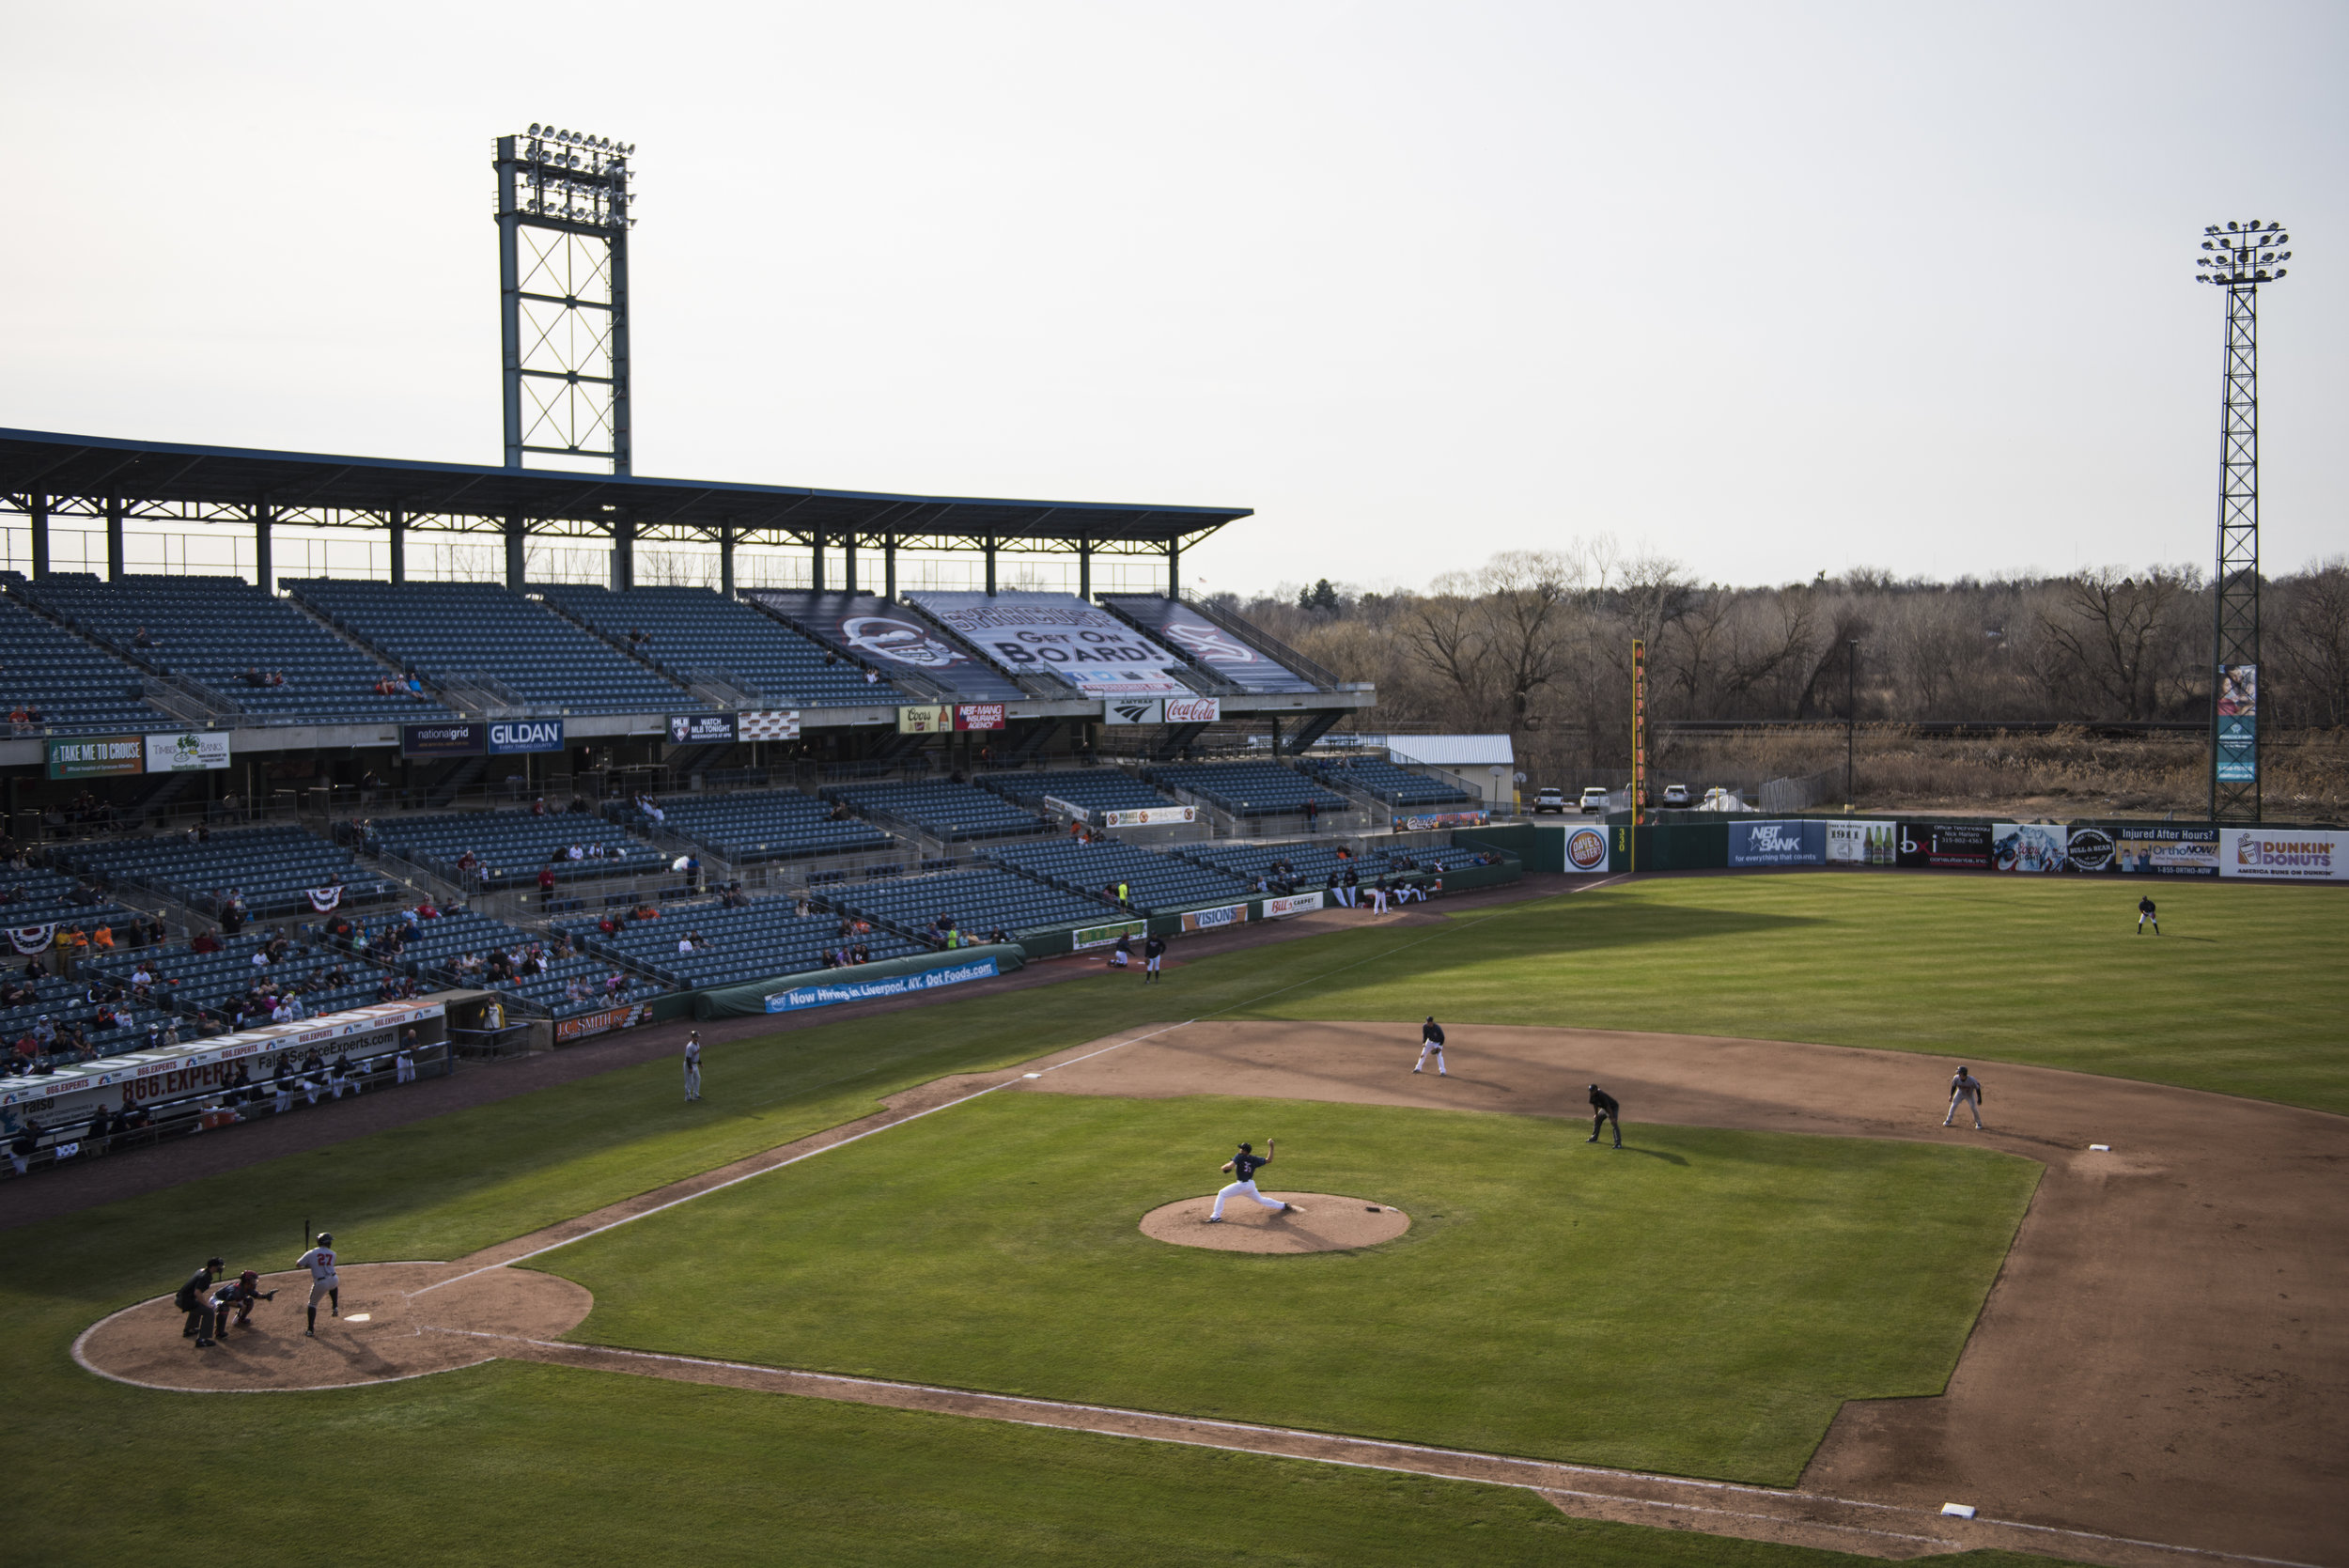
(2283, 854)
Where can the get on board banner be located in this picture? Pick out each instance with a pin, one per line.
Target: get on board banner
(1090, 648)
(2284, 854)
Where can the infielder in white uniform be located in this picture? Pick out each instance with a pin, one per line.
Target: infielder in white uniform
(320, 1260)
(1966, 1089)
(693, 1066)
(1245, 1165)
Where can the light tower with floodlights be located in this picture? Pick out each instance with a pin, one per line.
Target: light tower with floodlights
(2242, 256)
(563, 212)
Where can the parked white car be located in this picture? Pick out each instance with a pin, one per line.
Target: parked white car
(1676, 795)
(1594, 800)
(1552, 800)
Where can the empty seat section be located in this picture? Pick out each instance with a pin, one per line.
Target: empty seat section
(1093, 788)
(480, 629)
(226, 635)
(36, 897)
(889, 637)
(760, 940)
(981, 901)
(1397, 787)
(55, 678)
(952, 812)
(508, 848)
(761, 825)
(1235, 657)
(1153, 882)
(686, 631)
(457, 948)
(270, 868)
(1248, 788)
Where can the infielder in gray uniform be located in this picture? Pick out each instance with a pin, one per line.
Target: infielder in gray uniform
(1966, 1089)
(693, 1066)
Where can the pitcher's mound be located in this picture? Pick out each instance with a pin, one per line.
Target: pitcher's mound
(386, 1332)
(1321, 1223)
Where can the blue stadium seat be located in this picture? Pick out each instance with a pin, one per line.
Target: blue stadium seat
(510, 848)
(270, 868)
(1248, 788)
(951, 812)
(74, 688)
(1397, 787)
(760, 825)
(1093, 788)
(1153, 882)
(688, 630)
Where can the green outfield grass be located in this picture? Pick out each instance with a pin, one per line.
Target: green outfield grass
(1701, 1303)
(2241, 997)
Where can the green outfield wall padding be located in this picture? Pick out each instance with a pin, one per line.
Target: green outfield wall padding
(1516, 838)
(741, 1001)
(1467, 879)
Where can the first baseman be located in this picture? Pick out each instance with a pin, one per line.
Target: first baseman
(1244, 1166)
(1431, 1044)
(693, 1066)
(320, 1260)
(1966, 1089)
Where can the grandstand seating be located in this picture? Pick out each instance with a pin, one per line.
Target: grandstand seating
(65, 1000)
(510, 848)
(37, 897)
(210, 982)
(762, 825)
(1181, 628)
(272, 868)
(467, 629)
(691, 629)
(980, 900)
(216, 630)
(951, 812)
(758, 940)
(74, 688)
(1093, 788)
(1153, 882)
(460, 935)
(1248, 788)
(890, 637)
(1312, 863)
(1397, 787)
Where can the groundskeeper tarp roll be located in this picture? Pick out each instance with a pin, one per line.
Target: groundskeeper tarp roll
(922, 973)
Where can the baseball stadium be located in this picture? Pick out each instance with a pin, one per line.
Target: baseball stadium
(894, 1045)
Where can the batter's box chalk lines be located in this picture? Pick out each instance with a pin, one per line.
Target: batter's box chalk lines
(1538, 1469)
(811, 1154)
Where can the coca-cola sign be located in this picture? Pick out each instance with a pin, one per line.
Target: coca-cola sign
(1194, 710)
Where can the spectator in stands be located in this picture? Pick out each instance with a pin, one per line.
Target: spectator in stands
(546, 881)
(1312, 815)
(860, 954)
(253, 677)
(685, 943)
(416, 686)
(804, 905)
(539, 806)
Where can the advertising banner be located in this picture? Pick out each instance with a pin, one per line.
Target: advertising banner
(187, 753)
(2147, 848)
(1298, 904)
(894, 640)
(99, 758)
(777, 724)
(979, 716)
(1777, 843)
(2087, 848)
(567, 1030)
(1082, 644)
(2239, 724)
(1586, 849)
(1948, 845)
(2284, 854)
(513, 736)
(440, 740)
(1177, 625)
(1134, 710)
(1194, 710)
(1208, 920)
(1427, 821)
(1149, 817)
(925, 719)
(2029, 846)
(1106, 936)
(701, 729)
(831, 994)
(1862, 843)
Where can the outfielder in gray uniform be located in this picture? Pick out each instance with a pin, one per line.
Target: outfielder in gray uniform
(1966, 1089)
(693, 1065)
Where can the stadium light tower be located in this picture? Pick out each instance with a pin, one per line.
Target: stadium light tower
(563, 219)
(2240, 257)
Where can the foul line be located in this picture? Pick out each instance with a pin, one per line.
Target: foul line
(1549, 1466)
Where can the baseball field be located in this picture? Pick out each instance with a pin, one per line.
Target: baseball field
(884, 1297)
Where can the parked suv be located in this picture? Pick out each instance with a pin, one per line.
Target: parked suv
(1676, 795)
(1594, 800)
(1552, 799)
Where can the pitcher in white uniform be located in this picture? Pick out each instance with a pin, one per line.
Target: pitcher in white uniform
(320, 1260)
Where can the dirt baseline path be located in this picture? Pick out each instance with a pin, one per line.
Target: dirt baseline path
(2161, 1354)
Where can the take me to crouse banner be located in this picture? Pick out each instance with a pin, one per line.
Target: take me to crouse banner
(1090, 648)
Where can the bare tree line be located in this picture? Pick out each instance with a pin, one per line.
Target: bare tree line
(1538, 643)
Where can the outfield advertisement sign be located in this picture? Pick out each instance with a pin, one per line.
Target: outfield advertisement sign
(1777, 843)
(2029, 846)
(1208, 920)
(1428, 820)
(1862, 843)
(1586, 849)
(2148, 848)
(1943, 845)
(1105, 936)
(1297, 904)
(567, 1030)
(97, 759)
(2284, 854)
(833, 993)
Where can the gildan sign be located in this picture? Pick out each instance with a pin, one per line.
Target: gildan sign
(510, 738)
(2283, 854)
(97, 759)
(701, 729)
(1086, 646)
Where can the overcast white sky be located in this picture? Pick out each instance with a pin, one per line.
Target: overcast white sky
(1771, 288)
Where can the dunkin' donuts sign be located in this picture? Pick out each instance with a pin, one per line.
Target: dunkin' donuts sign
(2282, 854)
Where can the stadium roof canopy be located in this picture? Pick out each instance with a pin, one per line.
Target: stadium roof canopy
(164, 481)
